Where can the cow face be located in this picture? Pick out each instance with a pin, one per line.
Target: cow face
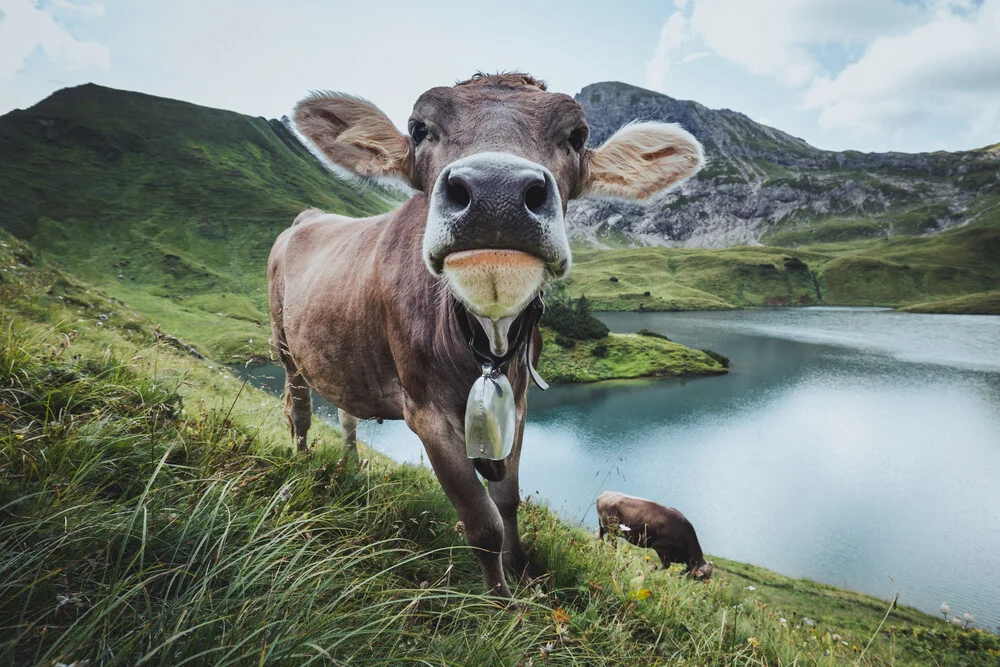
(498, 158)
(704, 572)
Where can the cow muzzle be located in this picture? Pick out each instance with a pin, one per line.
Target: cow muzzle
(496, 233)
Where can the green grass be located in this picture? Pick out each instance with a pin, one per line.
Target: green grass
(826, 231)
(624, 356)
(165, 205)
(900, 271)
(985, 303)
(152, 511)
(690, 279)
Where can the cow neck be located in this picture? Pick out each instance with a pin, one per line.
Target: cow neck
(518, 338)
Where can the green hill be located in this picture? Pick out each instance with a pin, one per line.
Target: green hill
(896, 272)
(166, 205)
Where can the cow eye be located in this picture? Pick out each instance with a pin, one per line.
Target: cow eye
(577, 138)
(418, 131)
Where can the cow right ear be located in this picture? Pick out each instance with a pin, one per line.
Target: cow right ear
(354, 134)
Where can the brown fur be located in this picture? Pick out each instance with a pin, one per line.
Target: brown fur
(653, 526)
(356, 314)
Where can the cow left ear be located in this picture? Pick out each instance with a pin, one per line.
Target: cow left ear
(642, 159)
(353, 133)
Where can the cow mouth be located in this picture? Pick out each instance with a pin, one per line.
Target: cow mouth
(494, 285)
(497, 342)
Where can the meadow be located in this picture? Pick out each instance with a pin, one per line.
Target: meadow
(152, 512)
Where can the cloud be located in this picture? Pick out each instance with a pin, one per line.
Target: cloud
(775, 38)
(864, 66)
(24, 27)
(91, 10)
(950, 65)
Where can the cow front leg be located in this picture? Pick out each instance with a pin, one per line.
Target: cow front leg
(348, 432)
(484, 528)
(507, 497)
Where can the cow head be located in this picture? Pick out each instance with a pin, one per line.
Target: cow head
(704, 571)
(499, 158)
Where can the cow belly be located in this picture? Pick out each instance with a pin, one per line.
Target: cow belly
(347, 374)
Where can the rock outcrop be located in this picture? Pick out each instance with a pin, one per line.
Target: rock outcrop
(762, 184)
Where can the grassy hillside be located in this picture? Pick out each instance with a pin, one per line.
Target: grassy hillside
(895, 272)
(168, 206)
(151, 511)
(985, 303)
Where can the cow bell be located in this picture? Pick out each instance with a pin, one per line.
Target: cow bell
(490, 416)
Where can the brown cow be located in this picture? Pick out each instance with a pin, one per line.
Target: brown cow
(367, 311)
(653, 526)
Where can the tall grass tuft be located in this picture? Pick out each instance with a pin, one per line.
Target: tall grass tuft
(136, 529)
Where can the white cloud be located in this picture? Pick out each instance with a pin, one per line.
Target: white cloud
(91, 10)
(775, 38)
(865, 67)
(24, 27)
(950, 65)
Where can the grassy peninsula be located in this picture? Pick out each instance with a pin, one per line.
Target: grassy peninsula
(984, 303)
(622, 356)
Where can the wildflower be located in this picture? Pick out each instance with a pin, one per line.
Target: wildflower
(285, 492)
(957, 622)
(751, 588)
(835, 638)
(808, 621)
(968, 616)
(752, 641)
(784, 622)
(945, 609)
(560, 616)
(624, 528)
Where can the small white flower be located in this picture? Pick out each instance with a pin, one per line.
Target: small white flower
(285, 492)
(957, 621)
(835, 638)
(968, 616)
(808, 621)
(751, 588)
(945, 609)
(784, 622)
(624, 528)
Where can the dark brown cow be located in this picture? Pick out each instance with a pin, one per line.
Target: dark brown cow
(653, 526)
(366, 311)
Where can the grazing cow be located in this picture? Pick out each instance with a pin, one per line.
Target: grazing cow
(371, 312)
(653, 526)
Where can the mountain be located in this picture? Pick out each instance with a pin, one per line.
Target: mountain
(761, 185)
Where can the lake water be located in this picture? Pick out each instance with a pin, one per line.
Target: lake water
(847, 446)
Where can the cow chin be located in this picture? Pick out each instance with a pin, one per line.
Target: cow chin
(494, 284)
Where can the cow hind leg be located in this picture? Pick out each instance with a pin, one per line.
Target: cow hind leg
(348, 432)
(298, 396)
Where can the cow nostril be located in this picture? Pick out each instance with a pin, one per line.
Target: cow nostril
(535, 197)
(456, 191)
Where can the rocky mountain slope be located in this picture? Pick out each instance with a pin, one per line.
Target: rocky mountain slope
(762, 185)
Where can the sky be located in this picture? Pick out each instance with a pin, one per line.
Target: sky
(871, 75)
